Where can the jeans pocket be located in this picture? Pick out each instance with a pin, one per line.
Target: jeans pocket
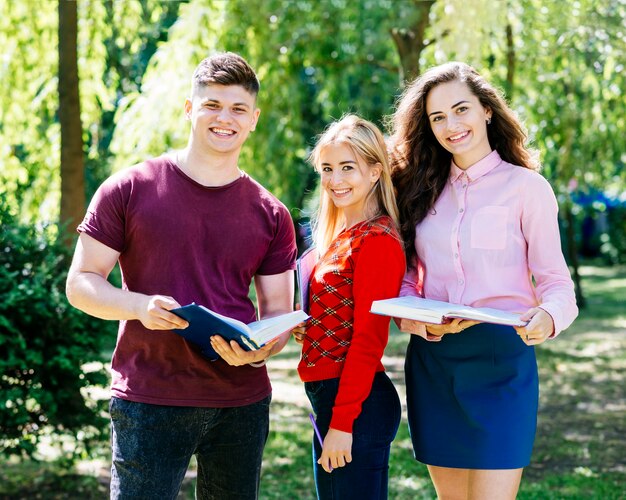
(313, 388)
(118, 409)
(322, 394)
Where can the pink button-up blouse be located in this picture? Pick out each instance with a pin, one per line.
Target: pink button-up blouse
(492, 240)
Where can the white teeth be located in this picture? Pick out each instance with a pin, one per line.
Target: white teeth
(222, 131)
(341, 191)
(458, 136)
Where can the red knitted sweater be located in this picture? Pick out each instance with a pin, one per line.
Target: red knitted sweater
(343, 339)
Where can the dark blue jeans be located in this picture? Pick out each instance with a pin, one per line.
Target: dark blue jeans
(152, 446)
(366, 477)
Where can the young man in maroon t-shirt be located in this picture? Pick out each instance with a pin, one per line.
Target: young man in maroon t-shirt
(188, 227)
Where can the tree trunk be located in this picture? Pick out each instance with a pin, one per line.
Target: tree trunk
(72, 161)
(563, 171)
(572, 253)
(410, 41)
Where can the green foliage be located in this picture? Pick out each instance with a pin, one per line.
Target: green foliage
(307, 79)
(29, 178)
(44, 343)
(571, 84)
(317, 59)
(115, 42)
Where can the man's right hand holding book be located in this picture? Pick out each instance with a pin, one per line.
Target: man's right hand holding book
(234, 355)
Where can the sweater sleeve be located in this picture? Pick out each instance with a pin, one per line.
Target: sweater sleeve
(377, 275)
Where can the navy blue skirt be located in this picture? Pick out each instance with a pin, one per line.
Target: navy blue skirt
(472, 399)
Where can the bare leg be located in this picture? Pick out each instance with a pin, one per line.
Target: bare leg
(471, 484)
(494, 484)
(450, 484)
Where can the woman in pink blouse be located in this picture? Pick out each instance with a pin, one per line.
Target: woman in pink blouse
(480, 228)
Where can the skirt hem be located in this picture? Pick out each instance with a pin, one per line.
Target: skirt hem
(453, 464)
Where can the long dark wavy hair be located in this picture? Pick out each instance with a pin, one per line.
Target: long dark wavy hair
(421, 166)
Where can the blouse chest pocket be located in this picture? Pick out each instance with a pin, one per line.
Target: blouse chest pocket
(489, 228)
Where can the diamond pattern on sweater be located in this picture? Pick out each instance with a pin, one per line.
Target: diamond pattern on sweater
(329, 331)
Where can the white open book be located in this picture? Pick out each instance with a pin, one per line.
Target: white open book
(436, 311)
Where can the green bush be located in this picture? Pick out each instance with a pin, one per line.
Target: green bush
(44, 343)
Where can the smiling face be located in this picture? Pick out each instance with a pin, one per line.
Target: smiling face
(347, 180)
(221, 118)
(459, 122)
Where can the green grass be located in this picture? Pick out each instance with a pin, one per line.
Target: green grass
(580, 450)
(49, 480)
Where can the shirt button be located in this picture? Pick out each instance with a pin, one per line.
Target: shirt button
(460, 282)
(456, 255)
(460, 210)
(464, 185)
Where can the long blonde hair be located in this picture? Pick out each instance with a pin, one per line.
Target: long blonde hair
(368, 143)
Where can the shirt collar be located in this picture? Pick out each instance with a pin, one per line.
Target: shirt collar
(478, 169)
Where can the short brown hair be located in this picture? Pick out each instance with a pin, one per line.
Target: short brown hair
(226, 68)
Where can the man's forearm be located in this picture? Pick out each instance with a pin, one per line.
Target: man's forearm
(94, 295)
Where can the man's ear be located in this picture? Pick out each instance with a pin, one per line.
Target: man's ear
(188, 108)
(255, 118)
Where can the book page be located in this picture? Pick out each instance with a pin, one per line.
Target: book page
(409, 307)
(435, 311)
(264, 330)
(487, 315)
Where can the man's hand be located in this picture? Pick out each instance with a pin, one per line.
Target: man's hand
(234, 355)
(153, 312)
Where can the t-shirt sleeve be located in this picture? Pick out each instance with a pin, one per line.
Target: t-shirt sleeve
(378, 275)
(282, 252)
(105, 217)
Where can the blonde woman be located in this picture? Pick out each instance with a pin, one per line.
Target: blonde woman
(360, 260)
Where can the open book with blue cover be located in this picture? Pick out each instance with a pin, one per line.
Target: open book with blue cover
(204, 323)
(436, 311)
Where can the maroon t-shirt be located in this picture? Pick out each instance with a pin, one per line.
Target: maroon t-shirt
(197, 244)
